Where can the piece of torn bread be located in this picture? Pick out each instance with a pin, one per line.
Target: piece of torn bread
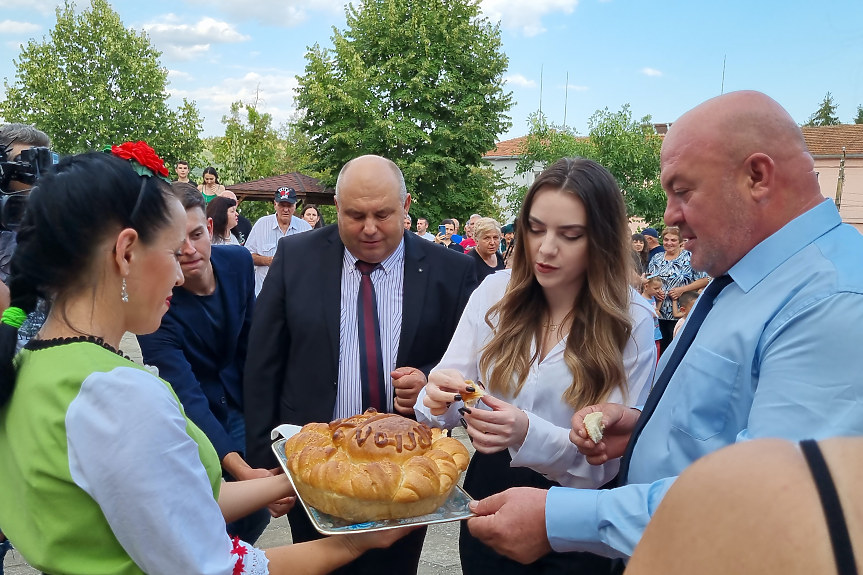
(470, 399)
(593, 425)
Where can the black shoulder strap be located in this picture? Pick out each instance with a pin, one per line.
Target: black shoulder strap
(839, 537)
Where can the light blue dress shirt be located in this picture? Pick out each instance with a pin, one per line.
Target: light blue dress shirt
(779, 356)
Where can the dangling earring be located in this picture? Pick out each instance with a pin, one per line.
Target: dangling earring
(124, 295)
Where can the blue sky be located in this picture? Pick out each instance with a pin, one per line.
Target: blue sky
(662, 57)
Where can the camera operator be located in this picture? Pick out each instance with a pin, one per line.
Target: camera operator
(16, 182)
(23, 154)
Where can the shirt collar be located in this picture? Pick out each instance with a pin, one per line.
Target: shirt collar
(389, 265)
(778, 248)
(291, 226)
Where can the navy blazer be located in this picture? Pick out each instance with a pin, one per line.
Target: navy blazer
(292, 372)
(185, 350)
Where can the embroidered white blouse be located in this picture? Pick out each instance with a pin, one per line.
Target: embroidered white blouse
(129, 450)
(546, 448)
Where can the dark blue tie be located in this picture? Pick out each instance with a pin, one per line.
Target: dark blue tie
(687, 336)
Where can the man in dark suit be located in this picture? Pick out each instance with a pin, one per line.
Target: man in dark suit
(307, 360)
(200, 348)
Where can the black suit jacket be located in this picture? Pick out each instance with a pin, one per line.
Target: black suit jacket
(293, 360)
(184, 348)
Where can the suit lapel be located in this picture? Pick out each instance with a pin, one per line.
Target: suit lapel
(414, 294)
(331, 288)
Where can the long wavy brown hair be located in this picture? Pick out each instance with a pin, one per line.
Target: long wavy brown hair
(600, 317)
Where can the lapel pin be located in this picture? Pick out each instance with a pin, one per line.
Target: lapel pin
(421, 270)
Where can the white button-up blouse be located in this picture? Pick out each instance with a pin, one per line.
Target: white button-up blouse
(546, 448)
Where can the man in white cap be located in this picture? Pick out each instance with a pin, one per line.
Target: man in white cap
(267, 231)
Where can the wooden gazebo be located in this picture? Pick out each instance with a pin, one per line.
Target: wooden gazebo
(309, 189)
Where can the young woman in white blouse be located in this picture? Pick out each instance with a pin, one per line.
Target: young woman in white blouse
(560, 331)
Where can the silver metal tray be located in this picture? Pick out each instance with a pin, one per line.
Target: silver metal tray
(455, 508)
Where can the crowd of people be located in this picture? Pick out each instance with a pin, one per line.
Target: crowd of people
(722, 361)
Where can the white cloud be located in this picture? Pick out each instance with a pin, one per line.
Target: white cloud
(275, 93)
(651, 72)
(273, 12)
(525, 15)
(519, 80)
(179, 75)
(188, 41)
(43, 6)
(575, 88)
(12, 27)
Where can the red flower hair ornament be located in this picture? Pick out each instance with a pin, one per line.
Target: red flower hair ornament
(143, 158)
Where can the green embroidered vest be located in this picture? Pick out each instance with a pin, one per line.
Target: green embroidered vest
(56, 525)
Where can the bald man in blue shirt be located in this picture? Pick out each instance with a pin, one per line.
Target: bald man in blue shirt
(777, 354)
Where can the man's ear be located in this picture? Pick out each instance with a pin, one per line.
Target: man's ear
(407, 204)
(760, 171)
(210, 228)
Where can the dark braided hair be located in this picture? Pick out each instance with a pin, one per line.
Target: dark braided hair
(69, 214)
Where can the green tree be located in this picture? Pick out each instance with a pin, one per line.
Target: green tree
(93, 82)
(826, 114)
(419, 82)
(249, 149)
(628, 148)
(252, 149)
(859, 118)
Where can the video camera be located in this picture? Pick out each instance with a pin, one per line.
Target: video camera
(31, 165)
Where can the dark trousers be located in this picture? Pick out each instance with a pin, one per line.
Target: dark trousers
(401, 559)
(666, 326)
(250, 527)
(490, 474)
(5, 547)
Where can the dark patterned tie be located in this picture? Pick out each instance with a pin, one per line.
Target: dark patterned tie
(369, 335)
(687, 336)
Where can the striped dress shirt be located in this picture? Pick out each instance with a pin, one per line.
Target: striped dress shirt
(388, 280)
(264, 239)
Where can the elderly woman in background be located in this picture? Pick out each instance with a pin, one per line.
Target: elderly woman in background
(486, 233)
(677, 276)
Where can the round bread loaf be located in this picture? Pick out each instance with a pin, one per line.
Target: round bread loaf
(374, 466)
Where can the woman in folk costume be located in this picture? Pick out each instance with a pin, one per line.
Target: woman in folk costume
(102, 471)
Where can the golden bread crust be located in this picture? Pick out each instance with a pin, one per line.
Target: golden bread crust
(374, 466)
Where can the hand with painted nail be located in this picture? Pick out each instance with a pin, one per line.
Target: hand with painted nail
(443, 389)
(492, 431)
(618, 422)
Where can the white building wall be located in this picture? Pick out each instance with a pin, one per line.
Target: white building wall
(506, 166)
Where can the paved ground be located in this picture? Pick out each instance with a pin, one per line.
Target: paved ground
(439, 557)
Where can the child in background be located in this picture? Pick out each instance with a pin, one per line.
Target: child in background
(651, 288)
(681, 308)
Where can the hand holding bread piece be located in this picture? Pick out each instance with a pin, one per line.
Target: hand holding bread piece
(593, 425)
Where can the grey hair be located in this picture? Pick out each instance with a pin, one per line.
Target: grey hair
(472, 216)
(410, 219)
(483, 226)
(403, 190)
(23, 134)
